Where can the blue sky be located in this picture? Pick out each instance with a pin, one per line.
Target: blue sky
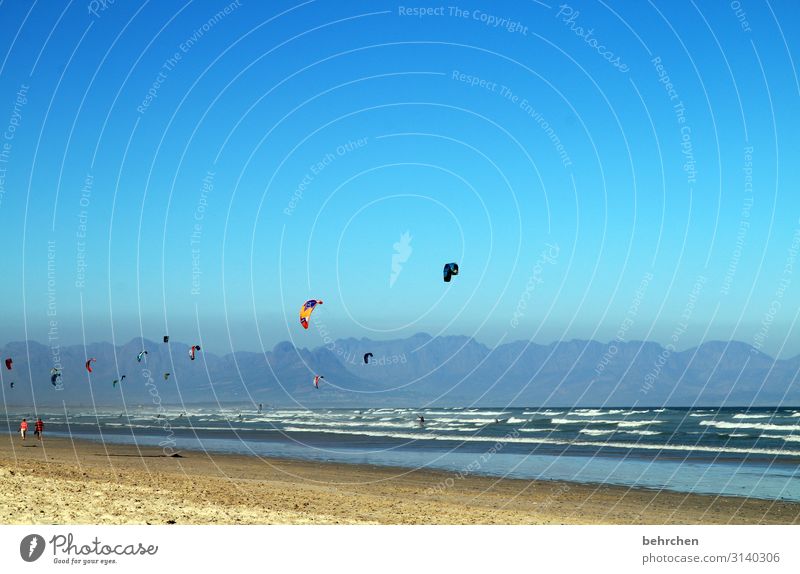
(182, 211)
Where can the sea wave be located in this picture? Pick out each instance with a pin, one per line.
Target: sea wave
(621, 424)
(558, 421)
(633, 424)
(561, 442)
(376, 424)
(595, 412)
(784, 437)
(758, 426)
(452, 420)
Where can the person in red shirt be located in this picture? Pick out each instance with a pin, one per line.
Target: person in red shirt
(23, 428)
(38, 428)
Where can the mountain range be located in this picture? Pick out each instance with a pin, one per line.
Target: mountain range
(415, 371)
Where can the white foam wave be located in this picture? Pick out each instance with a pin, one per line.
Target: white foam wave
(785, 437)
(621, 424)
(758, 426)
(634, 424)
(744, 416)
(595, 412)
(452, 420)
(456, 412)
(558, 421)
(337, 424)
(534, 440)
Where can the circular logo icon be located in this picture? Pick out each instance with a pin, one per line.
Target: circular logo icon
(31, 548)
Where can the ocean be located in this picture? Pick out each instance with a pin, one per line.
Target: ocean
(740, 452)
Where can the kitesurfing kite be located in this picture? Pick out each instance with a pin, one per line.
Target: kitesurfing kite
(193, 350)
(166, 338)
(114, 383)
(140, 355)
(166, 376)
(89, 364)
(367, 357)
(12, 384)
(306, 310)
(450, 269)
(317, 379)
(55, 374)
(9, 363)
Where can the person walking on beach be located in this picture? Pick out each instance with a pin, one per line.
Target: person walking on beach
(38, 428)
(23, 428)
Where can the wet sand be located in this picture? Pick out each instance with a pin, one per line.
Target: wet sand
(64, 482)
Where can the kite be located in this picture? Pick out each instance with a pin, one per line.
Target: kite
(12, 384)
(89, 364)
(166, 338)
(306, 310)
(367, 358)
(316, 380)
(140, 355)
(450, 269)
(166, 376)
(193, 350)
(55, 375)
(9, 363)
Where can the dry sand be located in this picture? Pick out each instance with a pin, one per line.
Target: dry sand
(64, 482)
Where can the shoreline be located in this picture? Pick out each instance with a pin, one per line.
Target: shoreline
(443, 473)
(63, 481)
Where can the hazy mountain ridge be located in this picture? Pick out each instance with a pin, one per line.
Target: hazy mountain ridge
(450, 370)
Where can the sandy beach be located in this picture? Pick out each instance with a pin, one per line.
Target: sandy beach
(61, 481)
